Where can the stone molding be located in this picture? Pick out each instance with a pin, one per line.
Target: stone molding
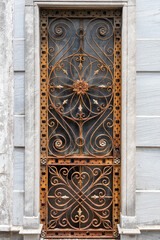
(31, 221)
(31, 231)
(32, 107)
(77, 2)
(128, 231)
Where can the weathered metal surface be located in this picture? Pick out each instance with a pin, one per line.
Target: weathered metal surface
(80, 123)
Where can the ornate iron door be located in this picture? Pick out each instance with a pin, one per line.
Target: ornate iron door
(80, 123)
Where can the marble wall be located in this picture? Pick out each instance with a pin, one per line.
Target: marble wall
(12, 117)
(148, 115)
(6, 112)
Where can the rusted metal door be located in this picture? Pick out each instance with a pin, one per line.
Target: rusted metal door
(80, 123)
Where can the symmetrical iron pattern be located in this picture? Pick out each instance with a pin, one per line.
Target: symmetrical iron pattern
(80, 123)
(80, 197)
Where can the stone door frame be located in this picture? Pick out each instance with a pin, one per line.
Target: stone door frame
(31, 225)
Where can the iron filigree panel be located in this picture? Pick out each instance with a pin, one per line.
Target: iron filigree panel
(80, 123)
(80, 197)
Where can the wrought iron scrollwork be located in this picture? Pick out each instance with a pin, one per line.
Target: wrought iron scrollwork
(80, 197)
(80, 87)
(80, 123)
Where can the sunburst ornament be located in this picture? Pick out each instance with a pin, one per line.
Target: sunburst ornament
(81, 87)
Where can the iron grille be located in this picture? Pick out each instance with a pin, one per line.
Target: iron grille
(80, 123)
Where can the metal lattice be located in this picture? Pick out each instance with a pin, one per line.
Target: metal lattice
(80, 123)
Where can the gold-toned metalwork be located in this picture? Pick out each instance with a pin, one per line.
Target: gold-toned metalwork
(80, 123)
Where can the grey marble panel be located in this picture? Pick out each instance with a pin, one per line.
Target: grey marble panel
(148, 167)
(128, 237)
(148, 21)
(19, 55)
(148, 57)
(148, 131)
(149, 236)
(19, 18)
(19, 131)
(4, 199)
(4, 165)
(19, 94)
(17, 217)
(17, 236)
(18, 169)
(6, 114)
(148, 207)
(5, 236)
(148, 94)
